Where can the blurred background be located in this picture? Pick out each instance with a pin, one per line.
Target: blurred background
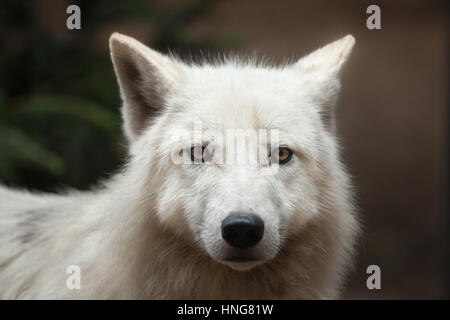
(60, 122)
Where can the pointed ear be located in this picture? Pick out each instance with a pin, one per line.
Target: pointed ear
(145, 77)
(322, 70)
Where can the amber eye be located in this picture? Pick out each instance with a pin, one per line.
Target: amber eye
(284, 155)
(199, 153)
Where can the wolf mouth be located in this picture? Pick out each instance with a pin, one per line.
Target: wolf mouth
(241, 259)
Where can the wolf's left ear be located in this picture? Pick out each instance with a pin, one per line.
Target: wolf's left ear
(322, 70)
(145, 77)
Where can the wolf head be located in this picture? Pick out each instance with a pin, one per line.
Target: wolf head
(236, 155)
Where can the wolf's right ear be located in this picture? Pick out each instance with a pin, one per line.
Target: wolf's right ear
(145, 77)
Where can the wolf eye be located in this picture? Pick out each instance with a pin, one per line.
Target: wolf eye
(284, 155)
(199, 153)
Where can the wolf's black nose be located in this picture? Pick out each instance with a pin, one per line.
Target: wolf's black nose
(242, 230)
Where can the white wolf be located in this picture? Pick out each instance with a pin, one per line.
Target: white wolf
(162, 229)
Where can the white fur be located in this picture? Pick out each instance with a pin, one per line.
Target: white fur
(153, 230)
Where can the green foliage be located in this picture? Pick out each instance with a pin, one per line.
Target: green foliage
(59, 101)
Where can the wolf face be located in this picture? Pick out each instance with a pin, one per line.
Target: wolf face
(236, 155)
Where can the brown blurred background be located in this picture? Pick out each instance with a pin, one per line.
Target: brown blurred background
(392, 114)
